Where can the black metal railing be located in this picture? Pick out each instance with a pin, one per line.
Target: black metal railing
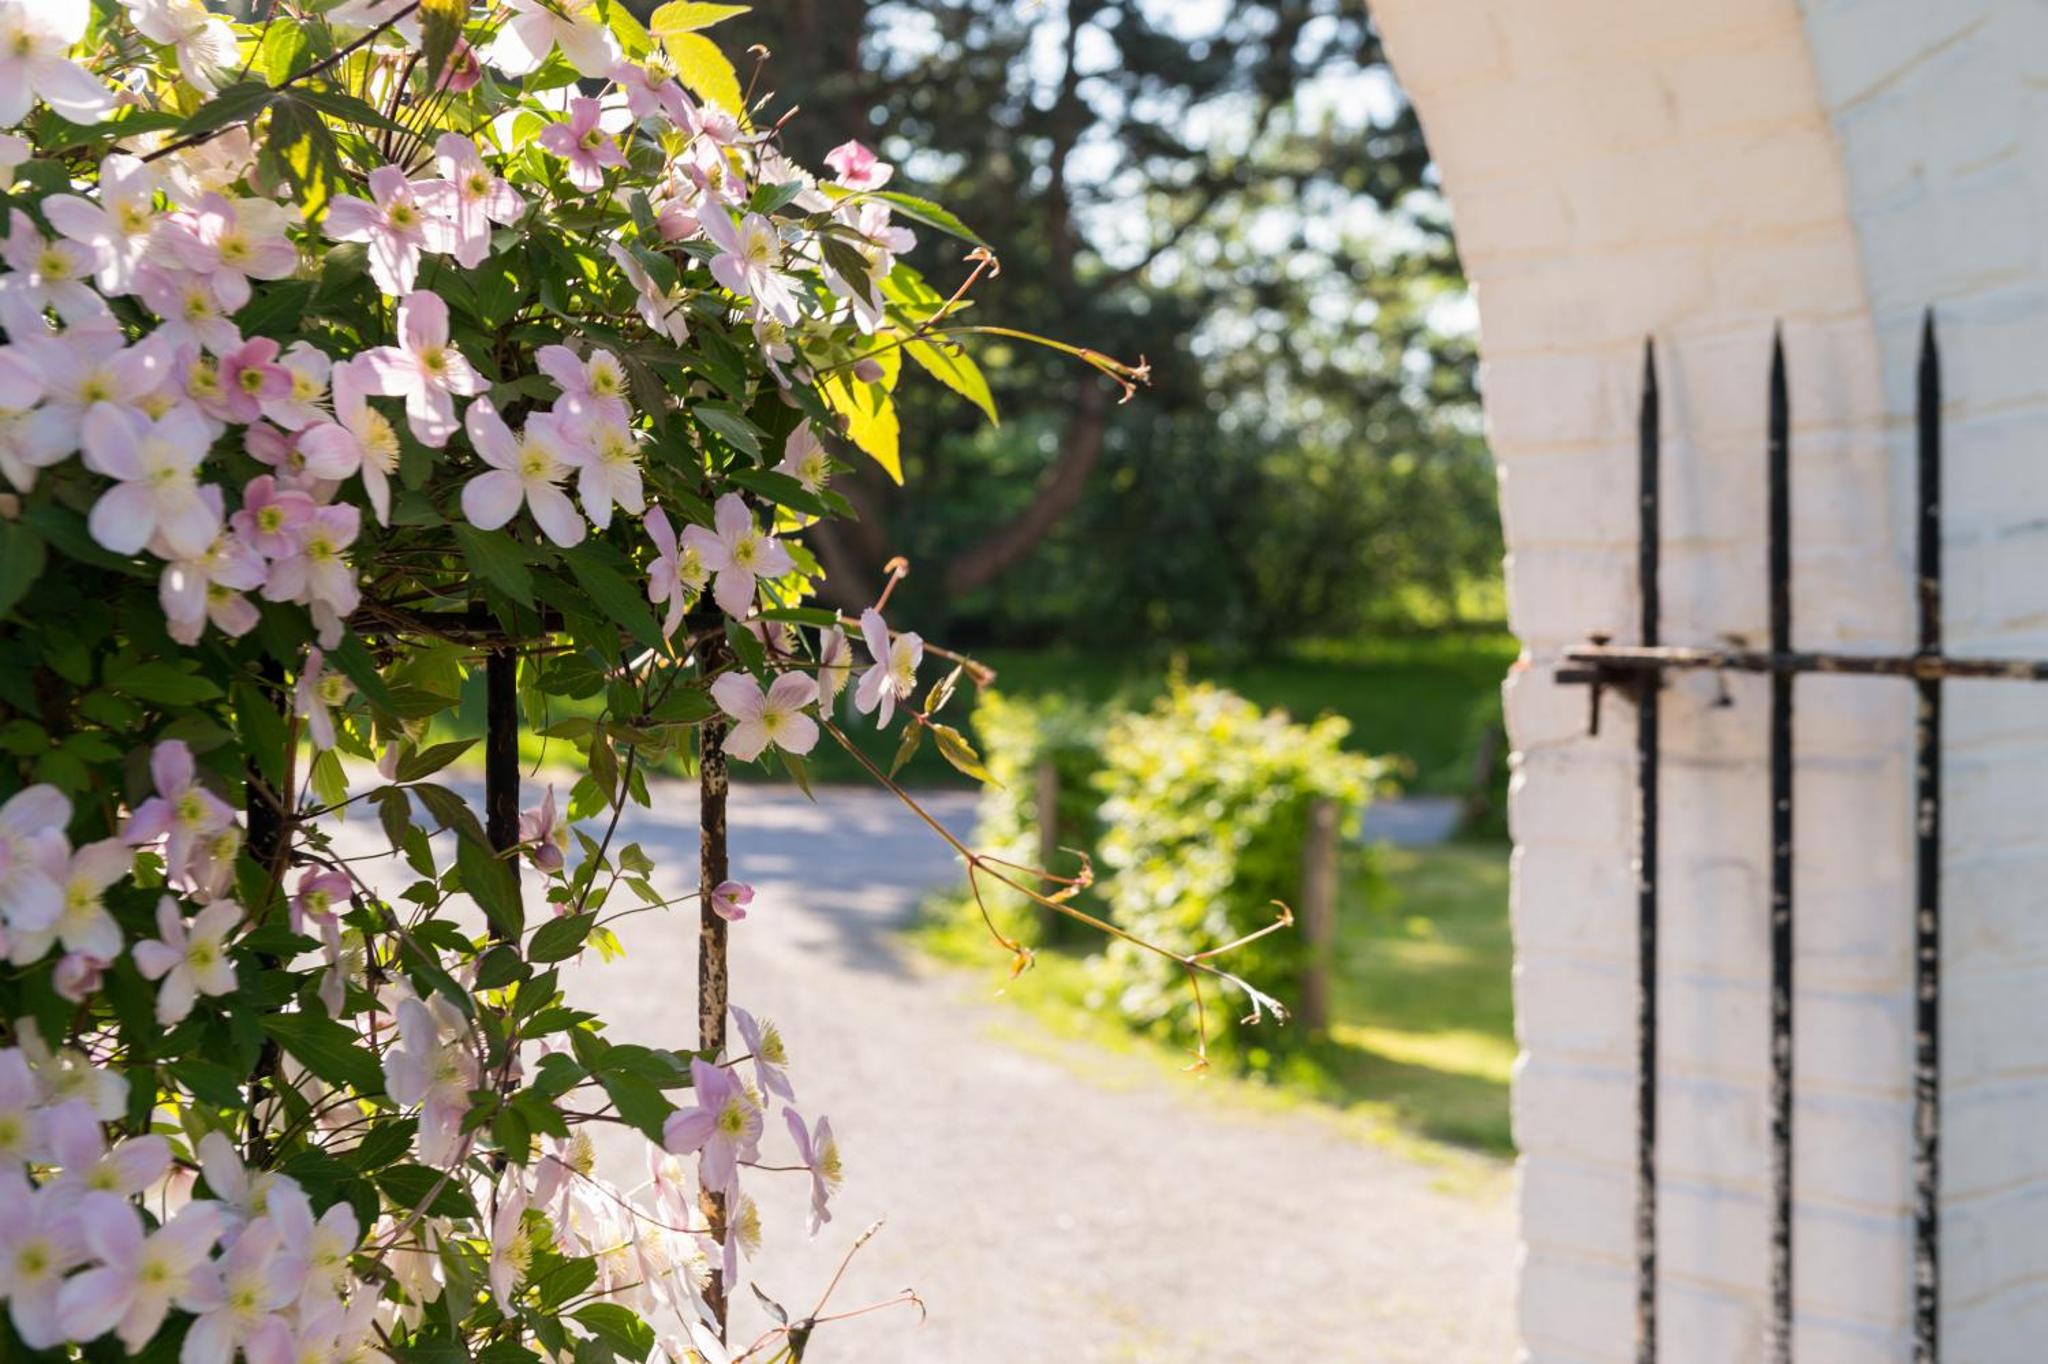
(1638, 671)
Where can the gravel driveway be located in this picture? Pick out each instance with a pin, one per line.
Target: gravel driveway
(1047, 1203)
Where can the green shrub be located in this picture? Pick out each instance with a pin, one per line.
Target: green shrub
(1205, 810)
(1018, 736)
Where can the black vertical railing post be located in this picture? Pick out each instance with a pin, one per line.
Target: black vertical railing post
(1927, 872)
(1649, 542)
(1779, 479)
(501, 753)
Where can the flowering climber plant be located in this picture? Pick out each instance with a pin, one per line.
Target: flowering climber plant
(349, 352)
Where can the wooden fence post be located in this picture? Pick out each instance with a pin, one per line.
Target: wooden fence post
(1319, 912)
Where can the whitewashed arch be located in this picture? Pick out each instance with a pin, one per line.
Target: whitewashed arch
(1699, 171)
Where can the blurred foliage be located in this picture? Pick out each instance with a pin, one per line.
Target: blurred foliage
(1196, 810)
(1237, 193)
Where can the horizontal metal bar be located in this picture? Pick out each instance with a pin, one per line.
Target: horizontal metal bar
(1621, 658)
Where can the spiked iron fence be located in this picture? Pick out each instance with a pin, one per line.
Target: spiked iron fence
(1638, 672)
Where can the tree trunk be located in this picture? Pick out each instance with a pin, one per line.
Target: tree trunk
(1079, 453)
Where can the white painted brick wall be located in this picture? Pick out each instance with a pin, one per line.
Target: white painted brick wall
(1698, 171)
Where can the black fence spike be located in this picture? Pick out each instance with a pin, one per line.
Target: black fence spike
(1778, 477)
(1649, 544)
(1927, 868)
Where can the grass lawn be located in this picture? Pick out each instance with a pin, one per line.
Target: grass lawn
(1427, 699)
(1422, 1035)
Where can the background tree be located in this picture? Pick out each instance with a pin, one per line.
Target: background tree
(1236, 191)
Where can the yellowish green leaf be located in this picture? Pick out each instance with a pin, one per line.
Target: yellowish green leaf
(704, 70)
(687, 16)
(955, 368)
(870, 412)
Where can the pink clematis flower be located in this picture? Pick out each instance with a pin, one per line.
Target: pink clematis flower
(139, 1274)
(423, 369)
(320, 896)
(592, 389)
(804, 458)
(34, 854)
(117, 229)
(677, 574)
(32, 438)
(537, 27)
(723, 1124)
(835, 666)
(271, 519)
(818, 1150)
(737, 553)
(608, 464)
(235, 1297)
(465, 201)
(208, 587)
(315, 574)
(232, 241)
(857, 167)
(431, 1066)
(528, 469)
(182, 812)
(190, 959)
(729, 900)
(773, 718)
(309, 369)
(894, 675)
(77, 976)
(191, 309)
(771, 1058)
(877, 247)
(664, 309)
(35, 46)
(156, 492)
(505, 1258)
(316, 695)
(544, 835)
(42, 275)
(251, 379)
(359, 440)
(78, 1144)
(586, 146)
(40, 1241)
(749, 262)
(392, 221)
(203, 41)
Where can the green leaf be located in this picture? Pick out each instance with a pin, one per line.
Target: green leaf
(21, 562)
(326, 1048)
(639, 1101)
(499, 967)
(687, 16)
(870, 413)
(799, 772)
(357, 666)
(346, 107)
(450, 811)
(617, 1326)
(426, 762)
(558, 939)
(913, 739)
(734, 429)
(300, 151)
(780, 489)
(613, 595)
(702, 67)
(382, 1144)
(441, 26)
(955, 368)
(163, 683)
(953, 746)
(494, 556)
(490, 882)
(924, 211)
(409, 1186)
(238, 103)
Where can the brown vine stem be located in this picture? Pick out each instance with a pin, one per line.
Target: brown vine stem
(713, 967)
